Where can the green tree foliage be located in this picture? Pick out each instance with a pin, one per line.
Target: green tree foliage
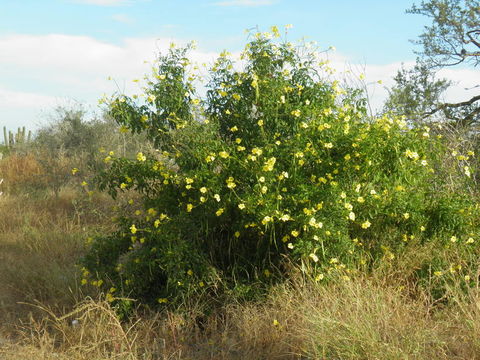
(278, 165)
(416, 92)
(452, 38)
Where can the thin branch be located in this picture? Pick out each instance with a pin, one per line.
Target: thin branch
(472, 39)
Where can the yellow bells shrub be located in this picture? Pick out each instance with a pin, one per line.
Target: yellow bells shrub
(264, 170)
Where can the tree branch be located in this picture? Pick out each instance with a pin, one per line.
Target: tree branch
(447, 106)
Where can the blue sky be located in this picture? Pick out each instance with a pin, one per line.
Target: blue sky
(53, 52)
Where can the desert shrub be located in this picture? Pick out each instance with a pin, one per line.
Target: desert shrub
(277, 165)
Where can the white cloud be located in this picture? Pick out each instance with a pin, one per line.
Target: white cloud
(74, 67)
(250, 3)
(123, 18)
(13, 99)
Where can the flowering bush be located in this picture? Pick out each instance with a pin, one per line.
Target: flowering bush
(276, 165)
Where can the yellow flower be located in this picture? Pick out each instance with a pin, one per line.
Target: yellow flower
(203, 190)
(257, 151)
(202, 199)
(295, 233)
(260, 122)
(233, 129)
(189, 207)
(406, 216)
(216, 197)
(241, 206)
(313, 257)
(328, 145)
(133, 229)
(231, 183)
(296, 113)
(141, 157)
(190, 272)
(264, 189)
(237, 234)
(269, 164)
(162, 300)
(224, 154)
(209, 158)
(470, 241)
(285, 217)
(123, 186)
(351, 216)
(266, 220)
(219, 212)
(276, 323)
(453, 239)
(411, 154)
(366, 224)
(74, 171)
(438, 273)
(360, 199)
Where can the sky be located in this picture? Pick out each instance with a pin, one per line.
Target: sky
(63, 52)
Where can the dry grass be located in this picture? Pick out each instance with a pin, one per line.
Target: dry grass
(41, 240)
(358, 319)
(20, 172)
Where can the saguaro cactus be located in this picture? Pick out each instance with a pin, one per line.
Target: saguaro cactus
(11, 139)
